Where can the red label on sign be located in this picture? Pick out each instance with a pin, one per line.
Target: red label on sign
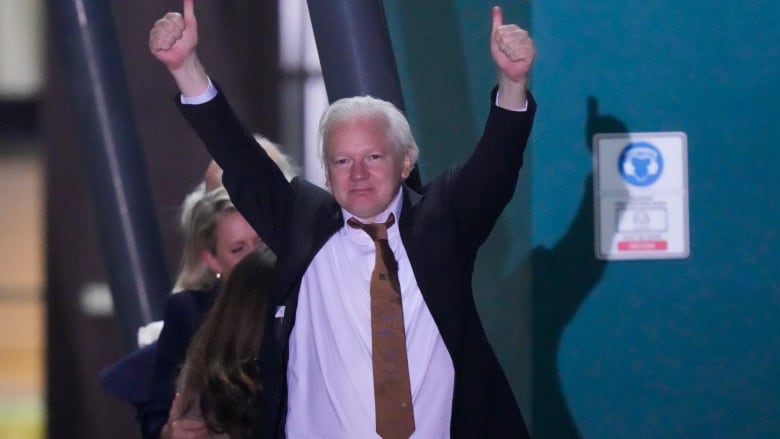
(642, 245)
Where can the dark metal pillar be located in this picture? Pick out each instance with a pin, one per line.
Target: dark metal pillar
(102, 111)
(356, 53)
(355, 50)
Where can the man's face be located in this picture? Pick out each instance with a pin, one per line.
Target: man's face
(363, 168)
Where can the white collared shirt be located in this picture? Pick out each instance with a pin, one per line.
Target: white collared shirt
(329, 375)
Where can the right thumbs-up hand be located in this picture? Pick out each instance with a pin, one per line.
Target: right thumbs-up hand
(173, 40)
(174, 37)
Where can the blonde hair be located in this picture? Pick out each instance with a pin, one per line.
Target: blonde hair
(199, 226)
(194, 273)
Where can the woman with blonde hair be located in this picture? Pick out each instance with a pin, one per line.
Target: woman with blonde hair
(216, 238)
(194, 273)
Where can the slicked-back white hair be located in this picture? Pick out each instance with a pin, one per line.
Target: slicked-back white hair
(357, 107)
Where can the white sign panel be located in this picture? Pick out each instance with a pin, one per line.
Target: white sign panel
(641, 195)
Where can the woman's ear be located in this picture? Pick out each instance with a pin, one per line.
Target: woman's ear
(211, 261)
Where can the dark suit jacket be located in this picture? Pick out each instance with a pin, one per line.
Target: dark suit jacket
(129, 378)
(441, 228)
(184, 313)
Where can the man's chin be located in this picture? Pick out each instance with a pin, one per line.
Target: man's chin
(362, 210)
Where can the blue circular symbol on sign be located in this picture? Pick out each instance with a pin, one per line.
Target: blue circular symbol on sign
(640, 164)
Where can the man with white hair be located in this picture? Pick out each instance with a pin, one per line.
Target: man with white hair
(322, 346)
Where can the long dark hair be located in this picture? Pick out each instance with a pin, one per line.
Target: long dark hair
(221, 373)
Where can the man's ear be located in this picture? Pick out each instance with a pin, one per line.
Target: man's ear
(325, 168)
(406, 166)
(327, 178)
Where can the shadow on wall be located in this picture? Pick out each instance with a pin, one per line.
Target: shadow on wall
(562, 277)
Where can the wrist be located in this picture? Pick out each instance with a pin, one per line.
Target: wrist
(511, 93)
(190, 77)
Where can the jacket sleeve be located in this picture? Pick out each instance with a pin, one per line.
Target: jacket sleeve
(181, 320)
(256, 185)
(486, 182)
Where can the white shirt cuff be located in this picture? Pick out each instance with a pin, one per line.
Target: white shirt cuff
(209, 94)
(523, 108)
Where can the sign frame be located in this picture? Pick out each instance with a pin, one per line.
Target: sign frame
(640, 191)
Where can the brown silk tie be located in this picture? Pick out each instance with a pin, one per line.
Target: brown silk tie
(392, 391)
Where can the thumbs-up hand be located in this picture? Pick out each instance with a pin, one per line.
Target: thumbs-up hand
(512, 48)
(173, 40)
(174, 37)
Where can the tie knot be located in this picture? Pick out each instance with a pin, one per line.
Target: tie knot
(376, 231)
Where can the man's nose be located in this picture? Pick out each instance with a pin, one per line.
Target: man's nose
(358, 171)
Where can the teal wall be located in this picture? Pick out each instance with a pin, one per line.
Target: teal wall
(442, 51)
(686, 348)
(682, 348)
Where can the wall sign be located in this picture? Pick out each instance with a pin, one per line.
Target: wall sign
(640, 193)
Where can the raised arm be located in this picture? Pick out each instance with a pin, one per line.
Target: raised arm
(487, 180)
(173, 40)
(256, 185)
(513, 52)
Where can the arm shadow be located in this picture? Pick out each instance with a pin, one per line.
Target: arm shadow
(562, 277)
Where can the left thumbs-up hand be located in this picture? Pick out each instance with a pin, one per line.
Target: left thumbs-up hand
(512, 48)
